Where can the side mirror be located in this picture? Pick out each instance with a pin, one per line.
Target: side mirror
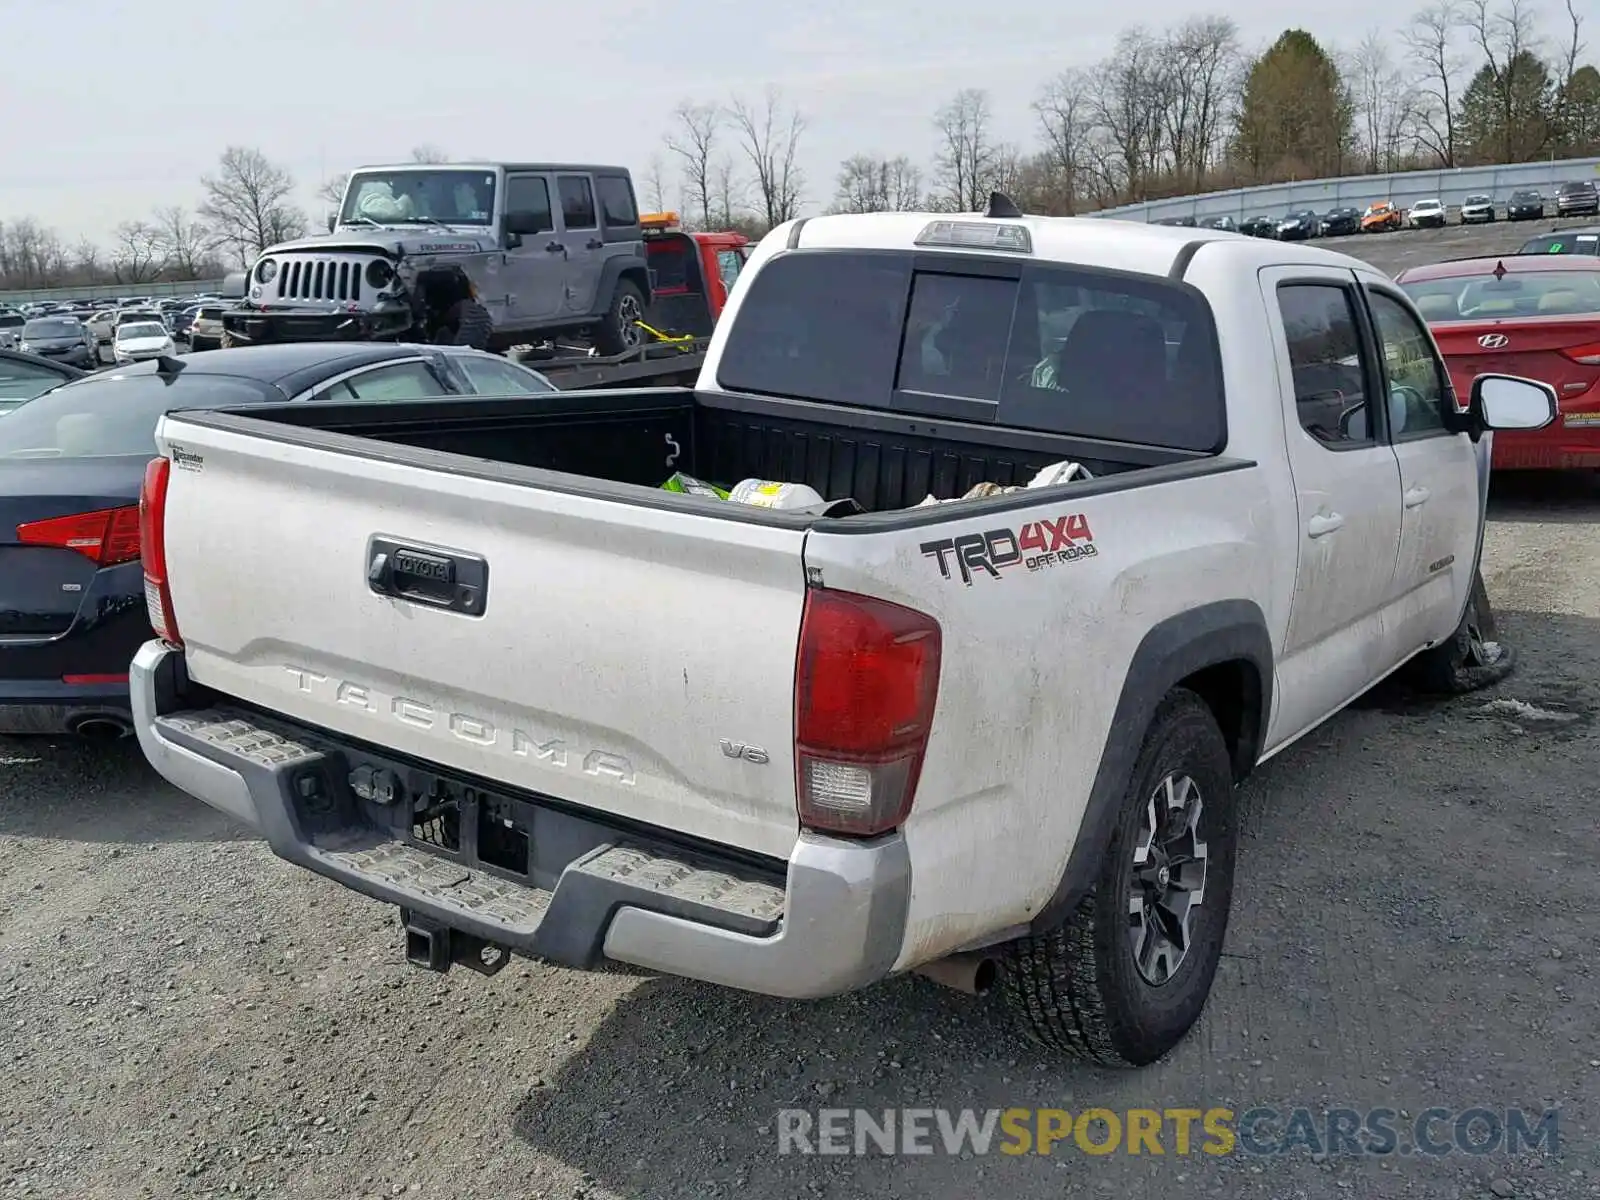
(513, 241)
(1353, 423)
(1509, 402)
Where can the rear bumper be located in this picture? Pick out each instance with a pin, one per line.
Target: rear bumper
(51, 706)
(1571, 444)
(831, 922)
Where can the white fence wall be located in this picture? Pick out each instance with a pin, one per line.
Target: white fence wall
(1358, 191)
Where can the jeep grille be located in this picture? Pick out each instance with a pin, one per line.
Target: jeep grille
(320, 279)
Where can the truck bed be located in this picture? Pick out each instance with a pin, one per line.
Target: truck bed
(614, 443)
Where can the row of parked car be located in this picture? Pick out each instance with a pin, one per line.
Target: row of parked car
(1574, 198)
(89, 338)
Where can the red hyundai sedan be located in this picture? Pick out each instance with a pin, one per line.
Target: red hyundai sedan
(1538, 317)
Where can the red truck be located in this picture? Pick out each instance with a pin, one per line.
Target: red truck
(691, 275)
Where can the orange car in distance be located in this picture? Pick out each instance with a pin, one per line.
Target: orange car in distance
(1381, 215)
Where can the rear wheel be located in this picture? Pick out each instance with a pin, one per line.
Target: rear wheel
(619, 329)
(1471, 658)
(1125, 977)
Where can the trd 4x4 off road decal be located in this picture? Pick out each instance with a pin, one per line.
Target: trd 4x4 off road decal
(1037, 545)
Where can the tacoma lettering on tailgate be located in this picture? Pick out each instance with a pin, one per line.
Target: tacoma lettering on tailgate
(1037, 545)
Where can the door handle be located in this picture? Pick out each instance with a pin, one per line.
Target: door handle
(1321, 526)
(431, 576)
(595, 244)
(556, 248)
(1417, 496)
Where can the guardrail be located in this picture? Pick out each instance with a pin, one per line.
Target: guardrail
(113, 291)
(1357, 191)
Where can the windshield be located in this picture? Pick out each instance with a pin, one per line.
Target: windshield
(140, 329)
(1476, 200)
(1562, 243)
(51, 329)
(1518, 294)
(108, 415)
(403, 196)
(11, 320)
(1373, 209)
(1568, 189)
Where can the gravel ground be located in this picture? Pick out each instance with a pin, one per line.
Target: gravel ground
(1414, 927)
(1394, 252)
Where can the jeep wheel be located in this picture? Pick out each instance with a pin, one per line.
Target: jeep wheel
(619, 329)
(1469, 659)
(1125, 977)
(225, 342)
(473, 327)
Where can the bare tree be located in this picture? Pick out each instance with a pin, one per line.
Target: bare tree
(1431, 42)
(1193, 81)
(655, 185)
(868, 183)
(1502, 35)
(728, 192)
(694, 143)
(184, 241)
(967, 156)
(1569, 67)
(429, 154)
(331, 191)
(1384, 105)
(85, 261)
(769, 137)
(136, 256)
(31, 254)
(1064, 112)
(1129, 96)
(247, 204)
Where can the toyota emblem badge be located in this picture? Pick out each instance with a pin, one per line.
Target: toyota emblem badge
(1493, 341)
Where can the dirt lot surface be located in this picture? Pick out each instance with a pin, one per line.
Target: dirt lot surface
(1415, 926)
(1394, 252)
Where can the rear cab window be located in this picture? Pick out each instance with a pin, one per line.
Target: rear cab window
(1048, 347)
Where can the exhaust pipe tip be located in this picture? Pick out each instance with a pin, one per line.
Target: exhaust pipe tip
(974, 973)
(101, 728)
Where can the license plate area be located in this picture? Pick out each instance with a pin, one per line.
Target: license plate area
(472, 826)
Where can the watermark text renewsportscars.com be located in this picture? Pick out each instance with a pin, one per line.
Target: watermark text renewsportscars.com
(1260, 1131)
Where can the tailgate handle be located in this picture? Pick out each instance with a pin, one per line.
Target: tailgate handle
(432, 576)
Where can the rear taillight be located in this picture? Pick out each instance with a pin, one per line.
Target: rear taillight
(153, 537)
(105, 537)
(1588, 354)
(866, 679)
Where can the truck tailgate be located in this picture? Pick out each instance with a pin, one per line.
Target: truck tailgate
(621, 658)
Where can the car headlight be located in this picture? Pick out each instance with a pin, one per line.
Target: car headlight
(25, 347)
(379, 273)
(266, 271)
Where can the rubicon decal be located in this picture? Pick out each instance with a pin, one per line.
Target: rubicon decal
(1036, 546)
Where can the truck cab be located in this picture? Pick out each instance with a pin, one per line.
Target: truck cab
(692, 273)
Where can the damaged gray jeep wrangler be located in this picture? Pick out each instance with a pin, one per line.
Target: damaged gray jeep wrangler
(485, 255)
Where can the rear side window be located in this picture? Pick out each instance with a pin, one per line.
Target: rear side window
(577, 201)
(616, 200)
(1056, 349)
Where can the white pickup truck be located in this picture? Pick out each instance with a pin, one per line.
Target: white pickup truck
(469, 658)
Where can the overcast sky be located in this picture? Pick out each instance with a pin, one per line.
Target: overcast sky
(112, 108)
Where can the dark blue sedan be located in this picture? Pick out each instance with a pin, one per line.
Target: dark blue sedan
(72, 607)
